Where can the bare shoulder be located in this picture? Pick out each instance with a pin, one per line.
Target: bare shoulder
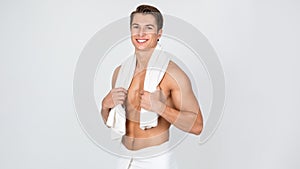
(115, 75)
(177, 75)
(176, 72)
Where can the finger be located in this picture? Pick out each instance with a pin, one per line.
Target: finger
(120, 94)
(143, 97)
(120, 89)
(121, 98)
(146, 92)
(119, 102)
(118, 99)
(144, 105)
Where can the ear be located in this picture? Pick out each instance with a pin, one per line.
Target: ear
(159, 33)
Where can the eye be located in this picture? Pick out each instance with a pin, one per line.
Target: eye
(135, 26)
(149, 27)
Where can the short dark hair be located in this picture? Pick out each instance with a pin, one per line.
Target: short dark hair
(147, 9)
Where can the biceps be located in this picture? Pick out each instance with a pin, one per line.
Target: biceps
(185, 101)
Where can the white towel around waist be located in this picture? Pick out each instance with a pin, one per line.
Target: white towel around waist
(156, 69)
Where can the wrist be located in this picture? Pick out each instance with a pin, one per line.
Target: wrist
(104, 107)
(162, 109)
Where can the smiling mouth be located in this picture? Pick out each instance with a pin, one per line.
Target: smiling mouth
(141, 40)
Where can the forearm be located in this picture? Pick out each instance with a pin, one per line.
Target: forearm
(114, 97)
(104, 113)
(185, 120)
(188, 121)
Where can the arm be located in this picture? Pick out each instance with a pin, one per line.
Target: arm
(185, 112)
(114, 97)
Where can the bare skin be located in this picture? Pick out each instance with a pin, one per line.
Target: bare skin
(174, 100)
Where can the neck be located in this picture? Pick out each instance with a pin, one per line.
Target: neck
(142, 58)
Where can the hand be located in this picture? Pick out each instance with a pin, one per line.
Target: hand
(154, 102)
(114, 97)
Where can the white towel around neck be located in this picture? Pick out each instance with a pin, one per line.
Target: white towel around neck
(156, 69)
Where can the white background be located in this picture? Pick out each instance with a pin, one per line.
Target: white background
(256, 42)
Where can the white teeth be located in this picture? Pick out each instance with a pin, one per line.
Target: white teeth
(141, 40)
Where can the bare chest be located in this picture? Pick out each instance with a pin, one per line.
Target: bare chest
(137, 85)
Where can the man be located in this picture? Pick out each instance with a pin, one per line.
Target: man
(173, 101)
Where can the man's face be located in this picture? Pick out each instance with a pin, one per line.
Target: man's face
(144, 33)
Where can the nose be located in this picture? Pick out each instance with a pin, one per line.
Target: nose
(141, 32)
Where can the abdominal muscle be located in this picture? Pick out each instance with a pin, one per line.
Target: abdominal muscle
(135, 137)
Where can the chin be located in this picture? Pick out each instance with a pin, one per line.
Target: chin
(142, 48)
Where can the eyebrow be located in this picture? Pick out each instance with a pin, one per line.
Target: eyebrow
(145, 25)
(150, 25)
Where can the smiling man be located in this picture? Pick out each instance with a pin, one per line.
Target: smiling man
(173, 102)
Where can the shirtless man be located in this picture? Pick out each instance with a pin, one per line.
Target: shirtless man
(174, 101)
